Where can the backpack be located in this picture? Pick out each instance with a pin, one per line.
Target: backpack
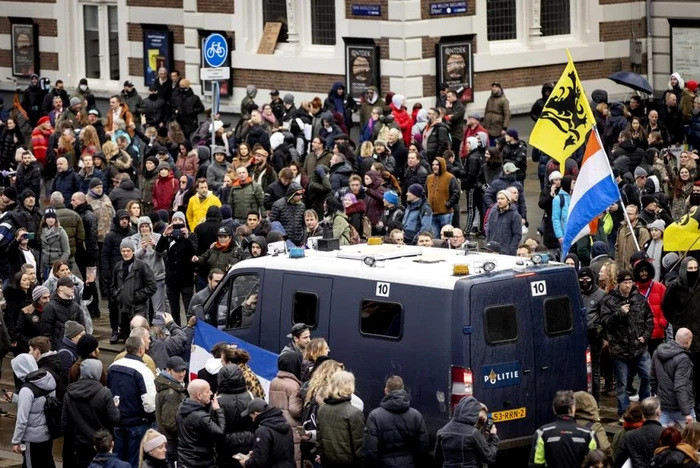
(366, 227)
(354, 235)
(53, 410)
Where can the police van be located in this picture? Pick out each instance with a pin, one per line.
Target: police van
(450, 324)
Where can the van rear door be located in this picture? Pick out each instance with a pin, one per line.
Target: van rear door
(305, 299)
(501, 353)
(560, 337)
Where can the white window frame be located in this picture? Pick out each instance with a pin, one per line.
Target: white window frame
(307, 30)
(103, 26)
(572, 25)
(521, 24)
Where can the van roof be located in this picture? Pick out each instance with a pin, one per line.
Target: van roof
(404, 264)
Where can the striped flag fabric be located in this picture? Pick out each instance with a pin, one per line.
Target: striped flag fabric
(262, 362)
(594, 191)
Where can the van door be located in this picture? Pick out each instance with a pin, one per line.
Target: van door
(559, 333)
(305, 299)
(501, 354)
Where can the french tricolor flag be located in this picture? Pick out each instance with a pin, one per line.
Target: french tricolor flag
(262, 362)
(595, 190)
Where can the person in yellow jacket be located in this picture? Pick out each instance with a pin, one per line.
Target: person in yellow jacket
(198, 206)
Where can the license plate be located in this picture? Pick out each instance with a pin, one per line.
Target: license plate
(508, 415)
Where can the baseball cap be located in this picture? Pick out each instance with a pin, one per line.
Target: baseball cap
(224, 231)
(298, 329)
(274, 92)
(176, 363)
(509, 168)
(128, 83)
(256, 405)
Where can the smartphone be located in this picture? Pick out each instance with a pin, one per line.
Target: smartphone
(91, 271)
(301, 431)
(146, 238)
(448, 234)
(488, 425)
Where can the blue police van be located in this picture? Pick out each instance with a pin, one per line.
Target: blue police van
(450, 324)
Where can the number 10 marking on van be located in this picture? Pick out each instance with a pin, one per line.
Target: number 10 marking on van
(383, 289)
(539, 288)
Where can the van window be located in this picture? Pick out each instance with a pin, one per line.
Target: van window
(305, 309)
(381, 319)
(244, 301)
(501, 324)
(558, 317)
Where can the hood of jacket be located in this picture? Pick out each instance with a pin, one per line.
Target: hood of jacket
(683, 271)
(261, 241)
(638, 268)
(213, 365)
(599, 248)
(127, 184)
(334, 90)
(586, 407)
(547, 89)
(84, 389)
(376, 177)
(667, 351)
(214, 213)
(467, 411)
(42, 379)
(230, 380)
(617, 109)
(273, 418)
(190, 406)
(396, 401)
(443, 166)
(292, 189)
(599, 95)
(342, 168)
(23, 364)
(681, 83)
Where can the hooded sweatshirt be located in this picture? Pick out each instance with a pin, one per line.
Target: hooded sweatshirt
(680, 304)
(459, 443)
(442, 190)
(587, 415)
(31, 420)
(148, 255)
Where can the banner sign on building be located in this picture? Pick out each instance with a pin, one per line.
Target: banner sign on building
(157, 52)
(366, 10)
(447, 8)
(455, 66)
(25, 47)
(361, 66)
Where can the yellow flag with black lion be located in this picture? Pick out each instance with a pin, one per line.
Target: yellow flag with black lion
(684, 234)
(566, 118)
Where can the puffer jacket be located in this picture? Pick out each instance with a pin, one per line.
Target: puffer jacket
(671, 378)
(169, 395)
(188, 164)
(123, 194)
(31, 420)
(437, 140)
(179, 269)
(681, 306)
(28, 177)
(615, 124)
(624, 329)
(66, 182)
(53, 320)
(273, 446)
(395, 435)
(339, 434)
(639, 445)
(459, 444)
(290, 215)
(73, 225)
(54, 246)
(340, 175)
(88, 406)
(505, 227)
(681, 455)
(502, 182)
(234, 398)
(588, 416)
(198, 429)
(133, 292)
(246, 197)
(654, 292)
(319, 187)
(284, 394)
(216, 172)
(164, 192)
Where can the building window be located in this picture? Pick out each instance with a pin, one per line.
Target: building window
(305, 308)
(382, 319)
(101, 41)
(558, 317)
(275, 11)
(323, 22)
(501, 324)
(501, 20)
(555, 17)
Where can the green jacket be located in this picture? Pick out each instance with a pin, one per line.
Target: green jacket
(341, 228)
(340, 433)
(168, 398)
(245, 198)
(221, 259)
(71, 222)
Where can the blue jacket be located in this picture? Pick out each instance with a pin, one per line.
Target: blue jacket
(417, 218)
(134, 384)
(108, 460)
(560, 213)
(502, 182)
(506, 228)
(67, 183)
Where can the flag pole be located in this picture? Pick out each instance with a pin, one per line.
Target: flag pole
(622, 204)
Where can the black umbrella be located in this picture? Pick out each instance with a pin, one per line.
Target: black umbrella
(632, 80)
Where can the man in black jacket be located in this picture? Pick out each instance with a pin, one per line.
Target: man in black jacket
(639, 445)
(60, 309)
(462, 441)
(187, 108)
(110, 256)
(628, 322)
(672, 380)
(28, 175)
(86, 256)
(273, 444)
(415, 173)
(437, 135)
(198, 427)
(395, 434)
(179, 269)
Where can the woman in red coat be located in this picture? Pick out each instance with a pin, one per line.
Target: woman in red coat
(164, 189)
(40, 139)
(401, 117)
(654, 291)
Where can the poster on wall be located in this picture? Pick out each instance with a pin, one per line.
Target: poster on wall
(685, 37)
(25, 49)
(157, 52)
(361, 66)
(225, 86)
(455, 66)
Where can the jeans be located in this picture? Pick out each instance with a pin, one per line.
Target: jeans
(174, 293)
(674, 418)
(439, 221)
(642, 364)
(127, 442)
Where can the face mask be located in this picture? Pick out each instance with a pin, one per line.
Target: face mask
(694, 199)
(692, 277)
(83, 87)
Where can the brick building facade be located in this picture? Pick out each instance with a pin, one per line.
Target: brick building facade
(520, 43)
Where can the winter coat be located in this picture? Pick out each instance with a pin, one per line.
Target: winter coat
(340, 433)
(672, 118)
(28, 177)
(340, 175)
(207, 232)
(263, 174)
(442, 190)
(246, 197)
(639, 445)
(459, 444)
(67, 182)
(123, 194)
(290, 215)
(682, 455)
(31, 420)
(455, 117)
(284, 394)
(234, 398)
(505, 227)
(502, 182)
(169, 395)
(654, 292)
(403, 119)
(592, 300)
(560, 213)
(625, 247)
(681, 305)
(416, 175)
(274, 192)
(273, 445)
(188, 164)
(133, 382)
(221, 258)
(197, 209)
(111, 249)
(8, 146)
(629, 149)
(588, 416)
(71, 222)
(133, 293)
(319, 187)
(395, 435)
(313, 160)
(88, 406)
(341, 228)
(671, 378)
(215, 174)
(496, 114)
(87, 254)
(374, 199)
(110, 460)
(164, 192)
(53, 320)
(614, 124)
(104, 212)
(417, 218)
(179, 270)
(198, 429)
(54, 246)
(624, 329)
(436, 140)
(155, 110)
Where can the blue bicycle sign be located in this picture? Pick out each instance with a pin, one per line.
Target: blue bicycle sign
(215, 50)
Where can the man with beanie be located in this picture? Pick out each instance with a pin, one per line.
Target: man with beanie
(515, 151)
(61, 309)
(393, 211)
(628, 322)
(418, 216)
(87, 407)
(177, 246)
(504, 224)
(146, 240)
(68, 350)
(290, 212)
(133, 284)
(592, 298)
(110, 257)
(88, 348)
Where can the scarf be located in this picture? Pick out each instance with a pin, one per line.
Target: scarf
(126, 266)
(94, 195)
(271, 119)
(220, 246)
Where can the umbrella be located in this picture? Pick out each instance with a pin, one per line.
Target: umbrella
(632, 80)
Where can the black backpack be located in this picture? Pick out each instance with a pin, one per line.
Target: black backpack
(53, 409)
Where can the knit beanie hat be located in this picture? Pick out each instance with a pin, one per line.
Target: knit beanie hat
(86, 345)
(39, 291)
(416, 190)
(391, 197)
(94, 182)
(127, 243)
(72, 329)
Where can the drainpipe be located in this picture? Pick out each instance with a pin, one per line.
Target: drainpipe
(650, 60)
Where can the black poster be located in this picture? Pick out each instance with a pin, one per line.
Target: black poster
(157, 52)
(455, 67)
(25, 49)
(361, 67)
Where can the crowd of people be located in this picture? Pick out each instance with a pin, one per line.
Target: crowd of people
(141, 207)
